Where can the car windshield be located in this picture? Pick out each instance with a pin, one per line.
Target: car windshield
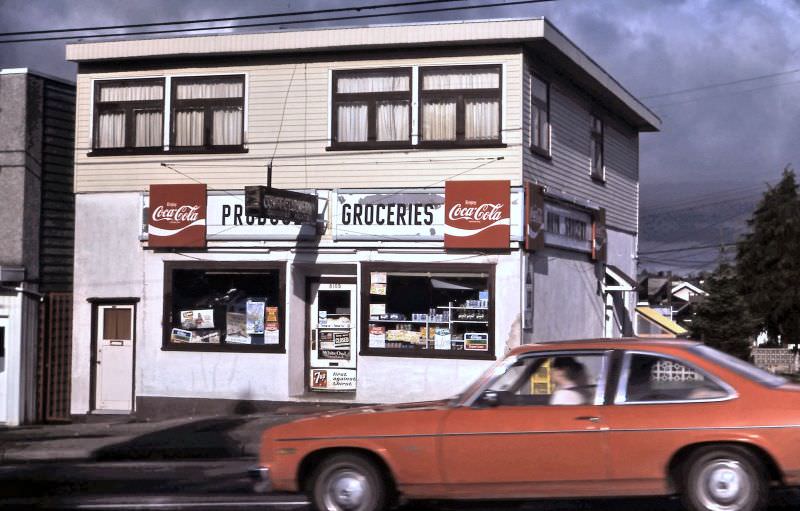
(739, 366)
(494, 371)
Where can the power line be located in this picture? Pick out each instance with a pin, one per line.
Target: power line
(282, 23)
(232, 18)
(683, 249)
(717, 85)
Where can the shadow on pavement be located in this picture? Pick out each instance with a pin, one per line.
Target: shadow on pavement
(206, 438)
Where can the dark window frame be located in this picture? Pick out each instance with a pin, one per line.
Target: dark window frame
(597, 141)
(372, 99)
(207, 105)
(233, 267)
(460, 96)
(540, 147)
(128, 108)
(368, 268)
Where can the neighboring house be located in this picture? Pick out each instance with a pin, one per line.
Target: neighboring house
(475, 186)
(674, 299)
(36, 228)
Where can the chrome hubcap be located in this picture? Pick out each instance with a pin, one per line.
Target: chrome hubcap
(347, 490)
(724, 486)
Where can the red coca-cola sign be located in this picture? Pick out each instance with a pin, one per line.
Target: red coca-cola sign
(477, 214)
(177, 216)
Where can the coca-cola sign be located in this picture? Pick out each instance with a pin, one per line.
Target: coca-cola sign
(177, 216)
(478, 214)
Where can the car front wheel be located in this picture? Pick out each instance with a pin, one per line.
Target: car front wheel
(347, 482)
(725, 479)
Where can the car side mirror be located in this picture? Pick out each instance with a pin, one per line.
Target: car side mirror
(490, 398)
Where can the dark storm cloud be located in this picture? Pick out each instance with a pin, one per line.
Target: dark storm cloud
(710, 139)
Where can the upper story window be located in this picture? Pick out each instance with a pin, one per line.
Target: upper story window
(540, 115)
(372, 108)
(128, 114)
(460, 105)
(207, 112)
(597, 161)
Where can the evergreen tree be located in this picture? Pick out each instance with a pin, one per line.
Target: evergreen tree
(722, 319)
(768, 262)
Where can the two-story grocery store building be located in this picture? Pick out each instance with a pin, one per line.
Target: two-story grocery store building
(475, 185)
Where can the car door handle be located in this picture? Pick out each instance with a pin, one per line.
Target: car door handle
(589, 418)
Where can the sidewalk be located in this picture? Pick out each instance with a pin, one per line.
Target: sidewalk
(122, 437)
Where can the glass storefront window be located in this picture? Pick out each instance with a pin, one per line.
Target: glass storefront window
(445, 312)
(223, 307)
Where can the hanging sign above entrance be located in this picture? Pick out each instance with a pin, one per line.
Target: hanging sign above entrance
(274, 203)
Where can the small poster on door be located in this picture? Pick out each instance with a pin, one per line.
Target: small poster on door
(377, 277)
(196, 319)
(377, 309)
(255, 318)
(333, 379)
(377, 289)
(272, 314)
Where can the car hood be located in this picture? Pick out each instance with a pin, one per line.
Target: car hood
(418, 417)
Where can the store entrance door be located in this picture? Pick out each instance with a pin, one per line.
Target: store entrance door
(332, 336)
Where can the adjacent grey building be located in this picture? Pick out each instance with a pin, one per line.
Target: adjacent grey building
(36, 242)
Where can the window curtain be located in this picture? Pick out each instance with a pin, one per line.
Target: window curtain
(482, 119)
(209, 90)
(189, 128)
(148, 128)
(351, 123)
(461, 80)
(111, 130)
(439, 120)
(116, 93)
(392, 121)
(371, 83)
(227, 126)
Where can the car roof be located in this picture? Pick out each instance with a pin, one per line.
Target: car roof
(624, 343)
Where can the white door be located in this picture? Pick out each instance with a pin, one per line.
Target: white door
(3, 370)
(114, 362)
(332, 337)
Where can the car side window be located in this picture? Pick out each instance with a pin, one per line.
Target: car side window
(654, 378)
(551, 380)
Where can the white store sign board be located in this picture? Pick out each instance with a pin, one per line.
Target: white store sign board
(402, 215)
(226, 220)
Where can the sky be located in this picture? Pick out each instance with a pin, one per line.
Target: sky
(723, 75)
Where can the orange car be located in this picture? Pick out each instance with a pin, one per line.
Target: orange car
(569, 419)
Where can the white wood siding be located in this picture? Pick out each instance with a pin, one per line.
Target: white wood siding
(569, 169)
(288, 116)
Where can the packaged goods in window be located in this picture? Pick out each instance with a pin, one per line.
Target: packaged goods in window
(322, 318)
(272, 333)
(339, 322)
(476, 341)
(377, 309)
(195, 319)
(377, 289)
(236, 328)
(179, 335)
(442, 339)
(255, 318)
(377, 336)
(470, 315)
